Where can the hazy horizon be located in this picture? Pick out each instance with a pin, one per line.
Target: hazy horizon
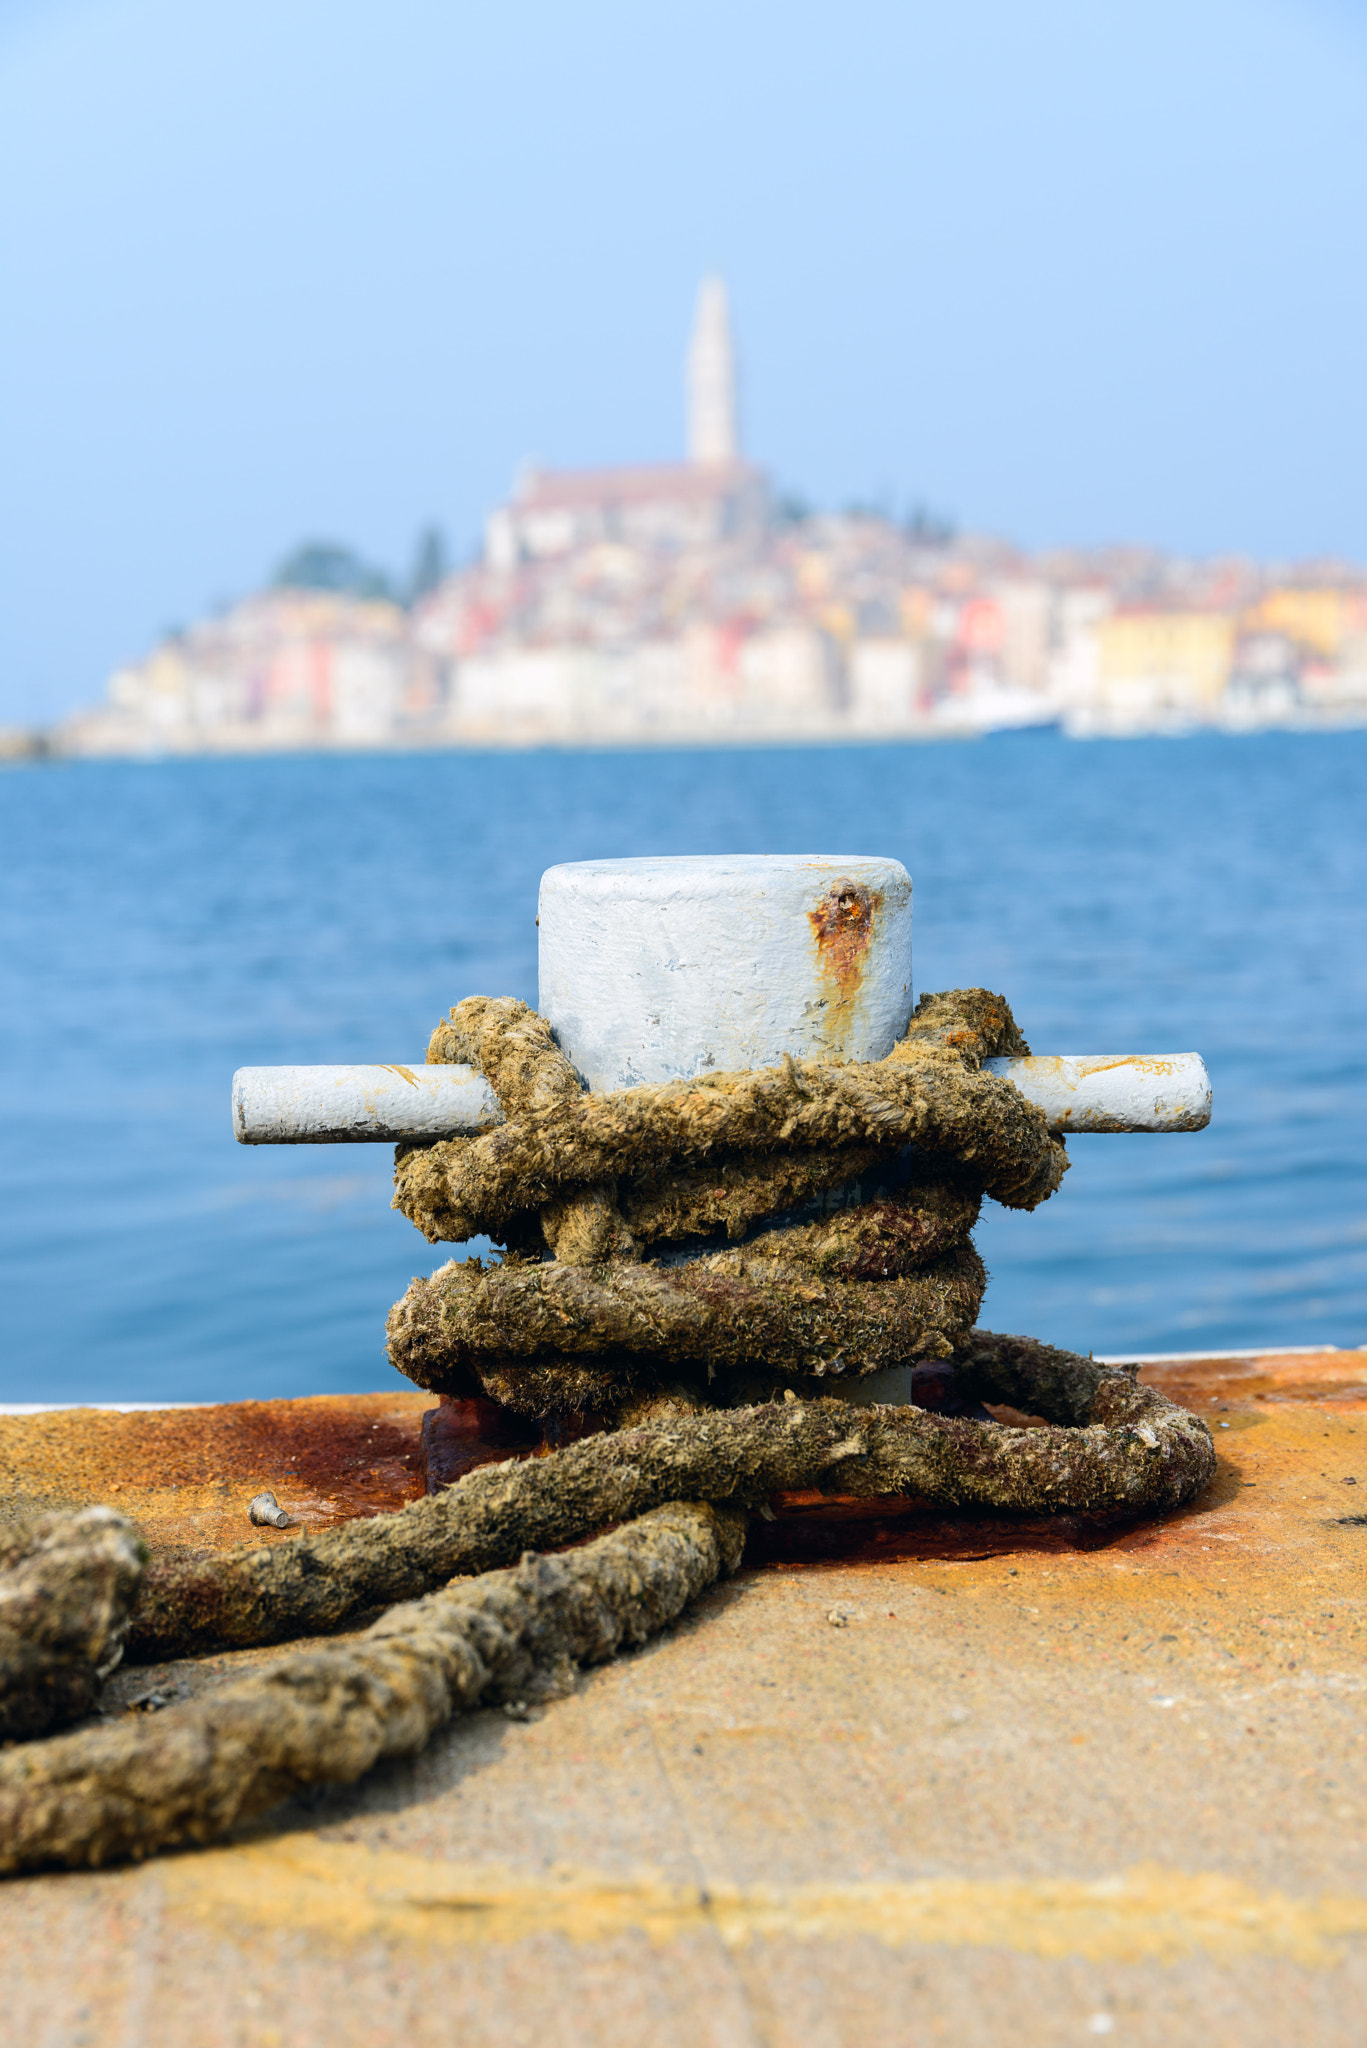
(276, 274)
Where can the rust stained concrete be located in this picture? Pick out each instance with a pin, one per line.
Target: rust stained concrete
(185, 1475)
(912, 1778)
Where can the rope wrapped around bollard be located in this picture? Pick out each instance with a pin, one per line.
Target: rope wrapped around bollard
(809, 1226)
(808, 1223)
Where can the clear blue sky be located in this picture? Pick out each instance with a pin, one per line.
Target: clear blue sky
(277, 268)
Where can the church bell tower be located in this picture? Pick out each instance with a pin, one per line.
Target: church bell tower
(712, 434)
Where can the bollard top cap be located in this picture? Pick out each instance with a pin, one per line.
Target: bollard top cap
(654, 877)
(667, 967)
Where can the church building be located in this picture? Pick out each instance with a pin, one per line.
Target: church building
(713, 496)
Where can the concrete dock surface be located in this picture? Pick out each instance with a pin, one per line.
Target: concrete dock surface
(907, 1778)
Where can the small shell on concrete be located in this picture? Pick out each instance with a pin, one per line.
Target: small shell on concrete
(266, 1512)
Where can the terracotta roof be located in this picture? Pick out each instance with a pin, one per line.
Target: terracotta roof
(697, 480)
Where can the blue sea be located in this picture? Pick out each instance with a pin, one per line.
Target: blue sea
(162, 923)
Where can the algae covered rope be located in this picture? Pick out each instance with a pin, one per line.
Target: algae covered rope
(67, 1585)
(327, 1715)
(702, 1260)
(807, 1222)
(674, 1257)
(546, 1338)
(1112, 1446)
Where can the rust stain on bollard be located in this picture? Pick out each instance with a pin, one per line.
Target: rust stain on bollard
(843, 923)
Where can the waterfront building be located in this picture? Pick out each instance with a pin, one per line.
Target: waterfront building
(669, 602)
(1162, 667)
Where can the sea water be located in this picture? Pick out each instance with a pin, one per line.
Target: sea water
(164, 922)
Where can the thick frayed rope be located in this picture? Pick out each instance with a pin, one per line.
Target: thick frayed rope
(1116, 1447)
(325, 1716)
(67, 1586)
(806, 1222)
(809, 1223)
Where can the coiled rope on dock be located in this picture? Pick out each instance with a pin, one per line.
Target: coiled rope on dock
(679, 1489)
(696, 1268)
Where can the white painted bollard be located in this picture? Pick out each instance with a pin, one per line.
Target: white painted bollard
(657, 969)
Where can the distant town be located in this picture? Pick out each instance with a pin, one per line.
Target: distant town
(686, 602)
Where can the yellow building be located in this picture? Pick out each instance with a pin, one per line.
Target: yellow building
(1315, 618)
(1157, 663)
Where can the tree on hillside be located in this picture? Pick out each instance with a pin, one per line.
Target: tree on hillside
(430, 563)
(329, 565)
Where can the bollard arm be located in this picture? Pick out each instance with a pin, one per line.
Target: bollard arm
(379, 1104)
(359, 1105)
(1113, 1091)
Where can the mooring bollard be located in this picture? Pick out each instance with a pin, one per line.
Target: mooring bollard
(654, 970)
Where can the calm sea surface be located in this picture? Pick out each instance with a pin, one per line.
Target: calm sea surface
(164, 923)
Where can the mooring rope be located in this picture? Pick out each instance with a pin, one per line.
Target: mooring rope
(67, 1585)
(1113, 1446)
(808, 1225)
(325, 1716)
(716, 1241)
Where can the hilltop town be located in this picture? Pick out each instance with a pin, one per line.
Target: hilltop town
(680, 602)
